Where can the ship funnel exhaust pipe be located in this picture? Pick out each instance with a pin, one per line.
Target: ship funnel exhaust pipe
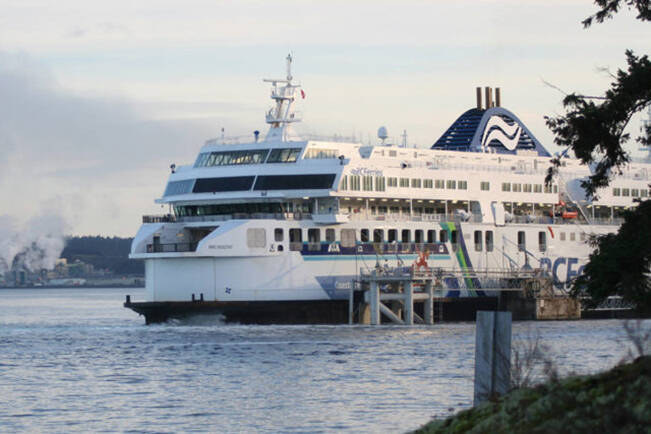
(498, 97)
(479, 98)
(489, 97)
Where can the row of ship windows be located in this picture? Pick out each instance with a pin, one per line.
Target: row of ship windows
(632, 192)
(379, 183)
(483, 240)
(258, 156)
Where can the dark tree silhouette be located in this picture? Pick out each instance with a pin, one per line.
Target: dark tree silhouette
(594, 128)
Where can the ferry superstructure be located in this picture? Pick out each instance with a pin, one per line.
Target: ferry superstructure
(268, 223)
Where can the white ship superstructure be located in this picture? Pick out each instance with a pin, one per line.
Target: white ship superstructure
(290, 219)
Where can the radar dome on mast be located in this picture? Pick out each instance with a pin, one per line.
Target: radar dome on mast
(382, 133)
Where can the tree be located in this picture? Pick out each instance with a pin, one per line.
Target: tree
(595, 129)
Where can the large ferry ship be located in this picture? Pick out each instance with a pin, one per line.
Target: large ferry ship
(277, 228)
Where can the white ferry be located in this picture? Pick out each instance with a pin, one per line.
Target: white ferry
(277, 228)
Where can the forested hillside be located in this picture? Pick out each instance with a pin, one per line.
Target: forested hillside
(103, 253)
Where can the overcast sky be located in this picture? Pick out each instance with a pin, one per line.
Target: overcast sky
(98, 98)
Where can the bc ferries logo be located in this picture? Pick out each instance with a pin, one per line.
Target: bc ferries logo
(497, 129)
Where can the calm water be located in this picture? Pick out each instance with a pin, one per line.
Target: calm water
(76, 360)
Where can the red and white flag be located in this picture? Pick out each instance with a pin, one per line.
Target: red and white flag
(302, 94)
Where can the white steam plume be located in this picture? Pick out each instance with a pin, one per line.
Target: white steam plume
(34, 245)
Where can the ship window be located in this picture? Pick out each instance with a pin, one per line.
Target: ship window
(392, 153)
(418, 236)
(522, 241)
(284, 155)
(616, 192)
(526, 188)
(454, 240)
(451, 184)
(392, 181)
(363, 235)
(314, 239)
(428, 183)
(343, 185)
(439, 183)
(178, 187)
(542, 241)
(380, 183)
(278, 235)
(625, 192)
(443, 236)
(516, 187)
(548, 188)
(378, 235)
(555, 188)
(582, 236)
(537, 188)
(367, 183)
(233, 183)
(295, 239)
(330, 235)
(354, 182)
(431, 236)
(256, 237)
(463, 185)
(506, 186)
(406, 236)
(404, 182)
(562, 236)
(635, 192)
(572, 236)
(320, 153)
(485, 186)
(348, 238)
(489, 241)
(293, 182)
(644, 193)
(478, 244)
(415, 182)
(393, 236)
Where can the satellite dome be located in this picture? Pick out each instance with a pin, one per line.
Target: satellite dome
(382, 133)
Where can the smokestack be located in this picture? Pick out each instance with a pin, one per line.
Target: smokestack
(479, 98)
(498, 97)
(489, 97)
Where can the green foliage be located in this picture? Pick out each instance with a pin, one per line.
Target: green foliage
(615, 401)
(596, 131)
(611, 7)
(103, 253)
(620, 263)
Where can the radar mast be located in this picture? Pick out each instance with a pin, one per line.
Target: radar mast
(281, 117)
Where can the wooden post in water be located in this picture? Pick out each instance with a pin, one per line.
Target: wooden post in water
(492, 354)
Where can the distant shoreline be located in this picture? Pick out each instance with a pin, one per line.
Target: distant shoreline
(85, 286)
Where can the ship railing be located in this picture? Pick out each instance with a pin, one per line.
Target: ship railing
(171, 247)
(166, 218)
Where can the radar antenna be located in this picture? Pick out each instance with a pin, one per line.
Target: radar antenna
(282, 115)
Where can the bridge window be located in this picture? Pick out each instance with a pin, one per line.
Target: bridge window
(516, 187)
(363, 236)
(506, 186)
(522, 241)
(392, 181)
(179, 187)
(378, 235)
(485, 186)
(233, 183)
(348, 238)
(330, 235)
(404, 182)
(278, 235)
(478, 241)
(393, 236)
(537, 188)
(431, 236)
(406, 236)
(616, 192)
(415, 182)
(293, 182)
(451, 184)
(439, 183)
(284, 155)
(463, 185)
(229, 158)
(295, 239)
(625, 192)
(320, 153)
(489, 241)
(443, 236)
(418, 236)
(635, 192)
(354, 182)
(644, 193)
(526, 188)
(542, 241)
(428, 183)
